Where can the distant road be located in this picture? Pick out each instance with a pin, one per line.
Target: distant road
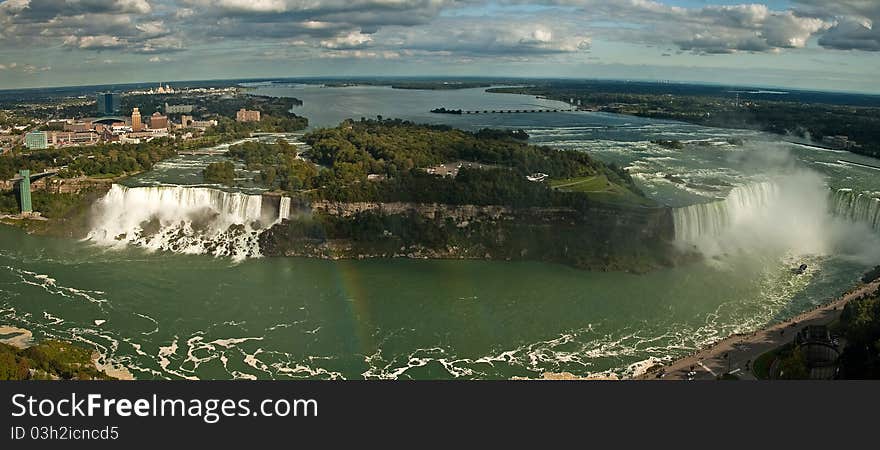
(820, 147)
(858, 164)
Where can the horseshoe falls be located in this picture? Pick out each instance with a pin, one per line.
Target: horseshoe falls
(857, 206)
(711, 219)
(794, 213)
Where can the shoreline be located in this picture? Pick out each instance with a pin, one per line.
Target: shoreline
(22, 338)
(738, 351)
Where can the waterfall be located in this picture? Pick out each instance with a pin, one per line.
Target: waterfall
(186, 220)
(284, 208)
(710, 220)
(857, 206)
(794, 213)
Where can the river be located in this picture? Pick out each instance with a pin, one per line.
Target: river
(167, 314)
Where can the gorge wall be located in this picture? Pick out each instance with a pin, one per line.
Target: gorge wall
(603, 237)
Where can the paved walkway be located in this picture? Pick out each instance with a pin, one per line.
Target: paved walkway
(733, 353)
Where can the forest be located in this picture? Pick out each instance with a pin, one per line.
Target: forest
(93, 160)
(48, 360)
(277, 163)
(386, 160)
(219, 172)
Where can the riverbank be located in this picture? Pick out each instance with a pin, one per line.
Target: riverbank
(16, 337)
(737, 353)
(51, 359)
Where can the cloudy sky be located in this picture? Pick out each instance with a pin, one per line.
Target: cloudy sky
(823, 44)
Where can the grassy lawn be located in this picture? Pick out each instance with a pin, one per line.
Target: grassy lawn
(582, 184)
(598, 188)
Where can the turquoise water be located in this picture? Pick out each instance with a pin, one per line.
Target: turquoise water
(169, 315)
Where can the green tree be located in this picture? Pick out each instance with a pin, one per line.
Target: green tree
(220, 172)
(794, 366)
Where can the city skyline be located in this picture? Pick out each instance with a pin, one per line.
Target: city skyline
(805, 44)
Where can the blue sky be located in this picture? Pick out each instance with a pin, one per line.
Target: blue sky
(813, 44)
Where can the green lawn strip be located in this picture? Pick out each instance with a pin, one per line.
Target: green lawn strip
(582, 184)
(598, 188)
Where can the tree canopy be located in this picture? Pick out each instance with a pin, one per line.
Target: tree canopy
(388, 160)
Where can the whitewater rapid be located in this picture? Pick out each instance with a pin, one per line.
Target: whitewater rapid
(189, 220)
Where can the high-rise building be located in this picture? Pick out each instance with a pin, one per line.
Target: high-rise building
(178, 109)
(108, 103)
(158, 121)
(36, 140)
(136, 124)
(244, 115)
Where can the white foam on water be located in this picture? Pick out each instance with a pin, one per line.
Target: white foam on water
(51, 286)
(164, 355)
(155, 330)
(599, 352)
(52, 319)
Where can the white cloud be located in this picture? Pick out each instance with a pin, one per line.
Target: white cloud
(80, 24)
(440, 28)
(855, 23)
(708, 29)
(100, 42)
(351, 40)
(165, 44)
(481, 37)
(361, 54)
(154, 28)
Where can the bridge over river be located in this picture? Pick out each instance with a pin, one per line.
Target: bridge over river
(501, 111)
(516, 111)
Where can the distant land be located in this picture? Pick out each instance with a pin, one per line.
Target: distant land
(635, 87)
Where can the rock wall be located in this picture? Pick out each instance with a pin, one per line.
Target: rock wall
(603, 237)
(58, 185)
(429, 210)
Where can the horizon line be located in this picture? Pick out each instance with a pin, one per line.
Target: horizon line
(474, 77)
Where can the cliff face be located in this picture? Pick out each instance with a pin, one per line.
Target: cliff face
(56, 185)
(603, 237)
(460, 213)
